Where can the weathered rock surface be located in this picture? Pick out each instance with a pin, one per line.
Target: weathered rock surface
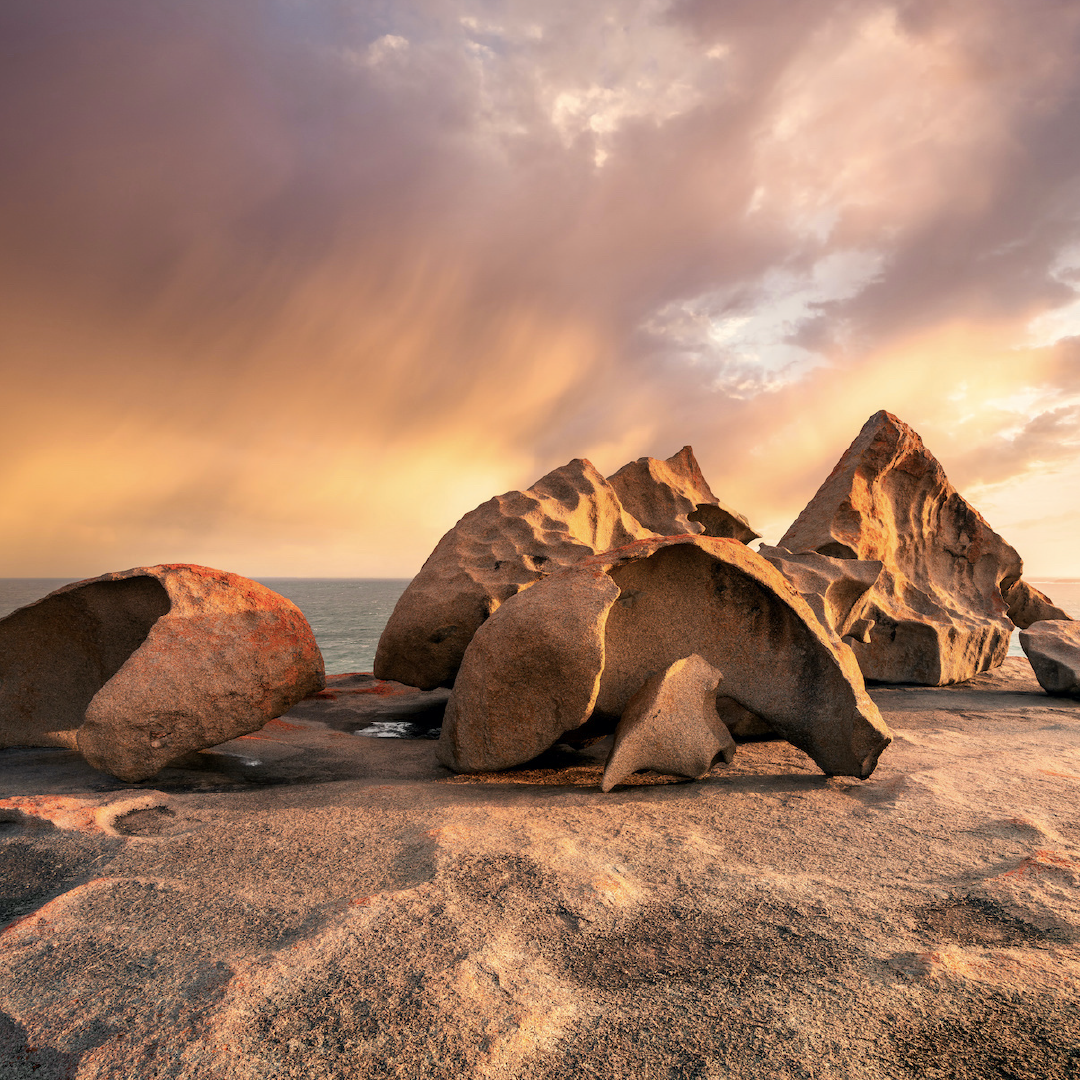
(514, 540)
(676, 596)
(1028, 605)
(1053, 647)
(937, 605)
(530, 674)
(672, 497)
(671, 726)
(137, 668)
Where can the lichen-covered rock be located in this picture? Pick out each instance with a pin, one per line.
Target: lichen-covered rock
(672, 498)
(1028, 605)
(676, 596)
(671, 726)
(937, 609)
(514, 540)
(530, 673)
(137, 668)
(1053, 648)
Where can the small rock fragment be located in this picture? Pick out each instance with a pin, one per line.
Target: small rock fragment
(671, 726)
(1053, 647)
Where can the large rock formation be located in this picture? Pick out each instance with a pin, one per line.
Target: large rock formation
(936, 607)
(671, 726)
(1053, 647)
(1028, 605)
(137, 668)
(676, 596)
(513, 540)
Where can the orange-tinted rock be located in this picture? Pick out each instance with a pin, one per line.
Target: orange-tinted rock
(1053, 648)
(1028, 605)
(672, 498)
(676, 596)
(530, 674)
(137, 668)
(671, 726)
(937, 609)
(514, 540)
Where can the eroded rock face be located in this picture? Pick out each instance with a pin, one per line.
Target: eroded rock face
(1028, 605)
(678, 596)
(671, 725)
(530, 674)
(672, 498)
(936, 607)
(514, 540)
(1053, 647)
(135, 669)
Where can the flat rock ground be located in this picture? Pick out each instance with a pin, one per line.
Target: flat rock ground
(305, 902)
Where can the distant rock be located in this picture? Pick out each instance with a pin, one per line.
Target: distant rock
(937, 609)
(137, 668)
(671, 726)
(1053, 648)
(513, 540)
(672, 498)
(1027, 605)
(531, 673)
(676, 596)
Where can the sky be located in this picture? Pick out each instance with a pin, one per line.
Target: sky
(288, 286)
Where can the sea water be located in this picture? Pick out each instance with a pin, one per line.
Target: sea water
(347, 615)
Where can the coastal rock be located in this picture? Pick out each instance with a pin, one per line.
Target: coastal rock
(835, 589)
(530, 673)
(137, 668)
(513, 540)
(1028, 605)
(671, 725)
(672, 498)
(1053, 648)
(676, 596)
(936, 607)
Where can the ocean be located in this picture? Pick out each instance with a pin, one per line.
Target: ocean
(347, 615)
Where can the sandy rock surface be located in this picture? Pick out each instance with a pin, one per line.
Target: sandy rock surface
(311, 903)
(937, 610)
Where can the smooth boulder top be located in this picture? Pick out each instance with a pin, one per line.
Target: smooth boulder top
(677, 596)
(937, 604)
(1053, 647)
(137, 668)
(513, 540)
(671, 726)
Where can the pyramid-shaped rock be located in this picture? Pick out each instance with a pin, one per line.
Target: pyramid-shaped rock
(937, 609)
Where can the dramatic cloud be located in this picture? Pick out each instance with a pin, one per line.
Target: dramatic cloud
(287, 288)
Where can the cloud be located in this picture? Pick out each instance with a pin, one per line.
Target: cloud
(290, 288)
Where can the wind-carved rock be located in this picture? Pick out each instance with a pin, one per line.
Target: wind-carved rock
(936, 608)
(671, 726)
(1053, 648)
(137, 668)
(1027, 605)
(513, 540)
(677, 596)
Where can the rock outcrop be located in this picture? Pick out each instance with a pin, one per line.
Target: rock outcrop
(1053, 648)
(1028, 605)
(671, 726)
(515, 539)
(677, 596)
(937, 609)
(136, 669)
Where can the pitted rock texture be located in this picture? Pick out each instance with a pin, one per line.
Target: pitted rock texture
(713, 597)
(1053, 647)
(672, 498)
(137, 668)
(671, 726)
(937, 606)
(513, 540)
(530, 674)
(1028, 605)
